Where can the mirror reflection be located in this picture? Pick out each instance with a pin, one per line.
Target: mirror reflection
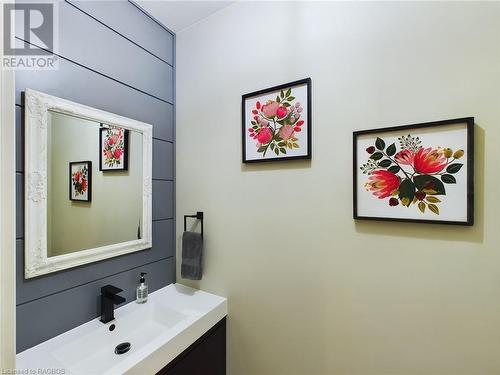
(95, 182)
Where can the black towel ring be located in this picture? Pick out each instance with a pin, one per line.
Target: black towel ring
(198, 216)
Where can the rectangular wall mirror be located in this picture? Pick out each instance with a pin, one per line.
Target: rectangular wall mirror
(87, 185)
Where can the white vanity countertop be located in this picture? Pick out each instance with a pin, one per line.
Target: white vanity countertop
(173, 318)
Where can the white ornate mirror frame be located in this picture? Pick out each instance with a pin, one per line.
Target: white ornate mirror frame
(36, 114)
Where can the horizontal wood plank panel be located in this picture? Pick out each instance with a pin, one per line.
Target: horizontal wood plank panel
(163, 200)
(75, 83)
(19, 205)
(119, 15)
(19, 139)
(84, 40)
(28, 290)
(163, 153)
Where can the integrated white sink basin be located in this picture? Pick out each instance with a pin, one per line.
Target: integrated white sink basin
(173, 318)
(138, 327)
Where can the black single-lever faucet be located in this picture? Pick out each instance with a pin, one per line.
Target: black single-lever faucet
(109, 298)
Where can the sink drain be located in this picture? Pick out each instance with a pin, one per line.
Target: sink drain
(122, 348)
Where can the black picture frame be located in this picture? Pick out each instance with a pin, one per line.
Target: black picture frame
(89, 188)
(469, 121)
(308, 155)
(124, 167)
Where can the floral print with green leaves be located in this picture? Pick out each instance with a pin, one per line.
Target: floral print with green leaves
(413, 175)
(113, 146)
(80, 180)
(275, 124)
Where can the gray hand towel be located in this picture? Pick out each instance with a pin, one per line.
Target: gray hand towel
(192, 247)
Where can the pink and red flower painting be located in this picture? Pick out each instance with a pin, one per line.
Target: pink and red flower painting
(113, 149)
(277, 123)
(409, 176)
(80, 174)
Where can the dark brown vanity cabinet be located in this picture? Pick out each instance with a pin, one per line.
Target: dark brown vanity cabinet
(207, 356)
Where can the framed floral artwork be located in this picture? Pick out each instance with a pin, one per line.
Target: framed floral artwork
(418, 173)
(113, 148)
(276, 123)
(80, 181)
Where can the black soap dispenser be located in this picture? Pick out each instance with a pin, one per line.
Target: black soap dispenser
(142, 290)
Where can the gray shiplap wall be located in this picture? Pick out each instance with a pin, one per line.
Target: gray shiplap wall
(115, 58)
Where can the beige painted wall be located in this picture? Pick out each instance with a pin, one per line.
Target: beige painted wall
(311, 291)
(116, 207)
